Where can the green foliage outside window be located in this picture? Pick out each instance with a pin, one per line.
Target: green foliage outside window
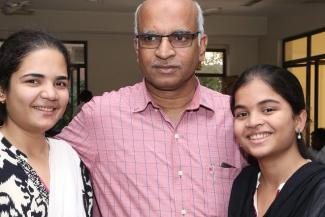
(214, 83)
(211, 69)
(213, 63)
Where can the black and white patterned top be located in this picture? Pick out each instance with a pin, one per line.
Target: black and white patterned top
(22, 193)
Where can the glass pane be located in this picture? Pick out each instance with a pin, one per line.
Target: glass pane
(318, 44)
(73, 91)
(296, 49)
(77, 52)
(321, 96)
(300, 73)
(213, 63)
(214, 83)
(82, 79)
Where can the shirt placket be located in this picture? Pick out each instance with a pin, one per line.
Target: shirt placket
(180, 170)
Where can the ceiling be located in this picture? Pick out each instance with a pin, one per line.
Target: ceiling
(212, 7)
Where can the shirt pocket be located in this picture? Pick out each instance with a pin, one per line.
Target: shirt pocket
(218, 189)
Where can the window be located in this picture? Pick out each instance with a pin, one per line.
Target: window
(304, 56)
(78, 79)
(212, 70)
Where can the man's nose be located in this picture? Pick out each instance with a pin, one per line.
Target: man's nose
(165, 49)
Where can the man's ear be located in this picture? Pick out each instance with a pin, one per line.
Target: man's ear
(203, 46)
(136, 48)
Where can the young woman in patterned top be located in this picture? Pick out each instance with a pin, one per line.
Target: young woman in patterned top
(39, 176)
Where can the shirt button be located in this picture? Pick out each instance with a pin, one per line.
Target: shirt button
(180, 173)
(176, 136)
(183, 211)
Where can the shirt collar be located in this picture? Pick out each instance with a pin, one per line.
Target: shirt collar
(200, 98)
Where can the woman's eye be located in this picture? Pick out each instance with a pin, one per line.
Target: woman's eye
(240, 114)
(61, 84)
(268, 110)
(32, 81)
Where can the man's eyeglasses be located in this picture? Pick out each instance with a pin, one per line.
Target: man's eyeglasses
(176, 39)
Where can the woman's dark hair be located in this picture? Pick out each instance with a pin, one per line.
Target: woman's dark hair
(282, 82)
(16, 47)
(85, 96)
(318, 139)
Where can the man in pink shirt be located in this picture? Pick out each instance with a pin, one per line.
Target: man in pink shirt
(163, 147)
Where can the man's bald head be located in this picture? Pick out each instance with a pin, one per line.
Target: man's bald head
(148, 3)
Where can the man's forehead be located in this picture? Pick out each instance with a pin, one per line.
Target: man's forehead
(161, 17)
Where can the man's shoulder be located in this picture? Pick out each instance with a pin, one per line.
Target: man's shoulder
(214, 99)
(124, 98)
(213, 93)
(122, 95)
(125, 90)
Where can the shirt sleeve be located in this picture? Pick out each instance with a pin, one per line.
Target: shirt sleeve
(80, 134)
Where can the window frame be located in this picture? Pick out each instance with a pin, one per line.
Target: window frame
(224, 66)
(77, 66)
(307, 62)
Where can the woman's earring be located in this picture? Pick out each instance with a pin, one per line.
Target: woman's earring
(299, 136)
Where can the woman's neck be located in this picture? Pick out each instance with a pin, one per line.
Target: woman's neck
(275, 172)
(34, 145)
(31, 144)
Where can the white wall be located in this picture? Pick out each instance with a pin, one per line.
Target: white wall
(111, 58)
(239, 35)
(242, 52)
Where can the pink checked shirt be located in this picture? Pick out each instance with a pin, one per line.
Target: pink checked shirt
(142, 165)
